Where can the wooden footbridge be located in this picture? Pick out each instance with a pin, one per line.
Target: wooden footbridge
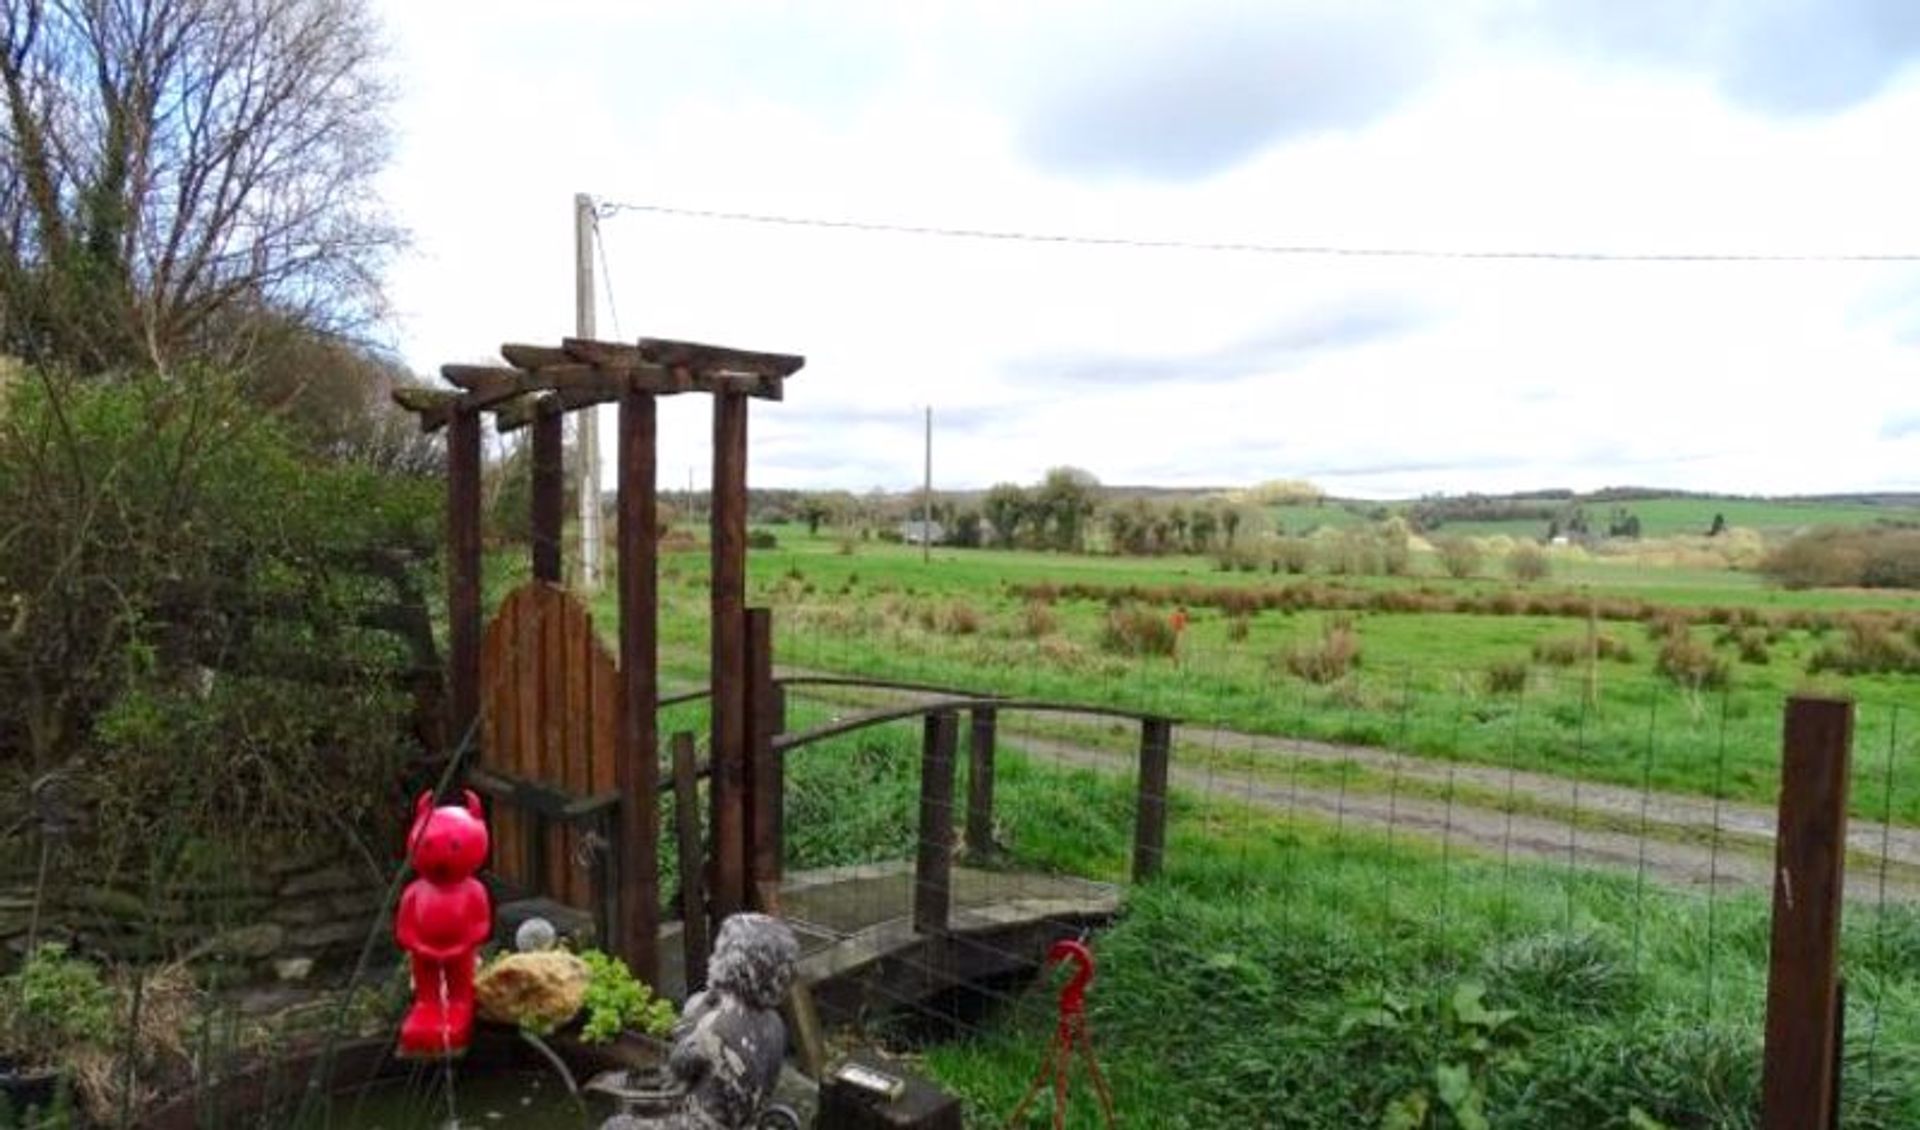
(564, 739)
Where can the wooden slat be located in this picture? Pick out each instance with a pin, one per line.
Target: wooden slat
(1798, 1084)
(980, 752)
(763, 765)
(550, 672)
(603, 739)
(728, 674)
(686, 824)
(718, 358)
(933, 867)
(549, 496)
(434, 407)
(1150, 814)
(485, 380)
(508, 825)
(463, 570)
(639, 765)
(583, 661)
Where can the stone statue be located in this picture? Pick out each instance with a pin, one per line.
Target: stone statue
(730, 1042)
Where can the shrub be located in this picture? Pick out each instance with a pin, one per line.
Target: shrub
(1038, 619)
(1690, 663)
(1528, 563)
(761, 538)
(1828, 557)
(1565, 651)
(1506, 676)
(958, 618)
(1293, 555)
(195, 594)
(1133, 629)
(1870, 647)
(1459, 556)
(1336, 653)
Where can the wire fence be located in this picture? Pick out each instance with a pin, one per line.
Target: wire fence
(1363, 875)
(1594, 850)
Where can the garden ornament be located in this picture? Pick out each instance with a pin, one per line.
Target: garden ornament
(1071, 1033)
(444, 917)
(730, 1041)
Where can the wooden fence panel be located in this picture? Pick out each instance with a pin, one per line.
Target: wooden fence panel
(550, 714)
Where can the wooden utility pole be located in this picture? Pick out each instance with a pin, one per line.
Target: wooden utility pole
(589, 436)
(926, 497)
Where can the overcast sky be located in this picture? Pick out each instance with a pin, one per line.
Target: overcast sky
(1770, 126)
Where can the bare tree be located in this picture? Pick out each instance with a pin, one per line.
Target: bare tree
(169, 169)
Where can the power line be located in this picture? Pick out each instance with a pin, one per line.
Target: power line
(606, 273)
(1247, 247)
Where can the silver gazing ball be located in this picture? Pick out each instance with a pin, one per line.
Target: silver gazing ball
(534, 935)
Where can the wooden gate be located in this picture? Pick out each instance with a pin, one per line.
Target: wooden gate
(550, 715)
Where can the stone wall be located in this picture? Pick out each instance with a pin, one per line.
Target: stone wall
(320, 910)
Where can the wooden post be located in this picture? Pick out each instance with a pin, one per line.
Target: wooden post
(763, 765)
(549, 493)
(1799, 1087)
(463, 573)
(728, 668)
(980, 748)
(686, 826)
(1150, 815)
(637, 773)
(933, 871)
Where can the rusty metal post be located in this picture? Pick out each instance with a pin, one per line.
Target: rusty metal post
(933, 870)
(728, 667)
(980, 750)
(463, 573)
(549, 494)
(637, 773)
(1799, 1085)
(1150, 814)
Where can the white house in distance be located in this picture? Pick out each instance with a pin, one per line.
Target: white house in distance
(915, 531)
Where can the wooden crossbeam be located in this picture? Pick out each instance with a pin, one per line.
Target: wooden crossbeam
(718, 358)
(582, 372)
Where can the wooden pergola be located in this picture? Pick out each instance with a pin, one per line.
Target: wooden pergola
(536, 388)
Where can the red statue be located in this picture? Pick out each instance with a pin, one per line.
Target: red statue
(444, 916)
(1069, 1035)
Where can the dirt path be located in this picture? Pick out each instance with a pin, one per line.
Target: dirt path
(1690, 841)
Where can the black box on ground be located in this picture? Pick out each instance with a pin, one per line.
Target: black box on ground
(869, 1093)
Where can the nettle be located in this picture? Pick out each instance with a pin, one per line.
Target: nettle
(1467, 1043)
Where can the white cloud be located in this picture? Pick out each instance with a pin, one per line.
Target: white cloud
(1515, 135)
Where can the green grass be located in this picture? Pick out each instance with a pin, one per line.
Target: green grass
(1693, 517)
(1237, 989)
(1421, 684)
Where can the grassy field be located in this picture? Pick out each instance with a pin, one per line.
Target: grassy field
(1284, 973)
(1682, 516)
(1423, 681)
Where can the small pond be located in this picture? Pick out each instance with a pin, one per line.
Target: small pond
(517, 1099)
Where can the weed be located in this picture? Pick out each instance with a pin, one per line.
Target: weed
(1133, 629)
(1329, 660)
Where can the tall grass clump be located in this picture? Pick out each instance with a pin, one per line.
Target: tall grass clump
(1133, 629)
(1330, 658)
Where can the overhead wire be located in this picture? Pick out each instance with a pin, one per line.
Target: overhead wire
(606, 275)
(609, 208)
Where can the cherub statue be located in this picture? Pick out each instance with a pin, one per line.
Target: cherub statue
(730, 1041)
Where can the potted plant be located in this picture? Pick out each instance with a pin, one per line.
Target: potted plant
(53, 1005)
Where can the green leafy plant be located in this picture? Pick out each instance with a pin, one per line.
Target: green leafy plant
(1467, 1042)
(53, 1002)
(616, 1001)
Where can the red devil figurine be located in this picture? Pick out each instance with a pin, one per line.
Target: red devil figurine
(444, 916)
